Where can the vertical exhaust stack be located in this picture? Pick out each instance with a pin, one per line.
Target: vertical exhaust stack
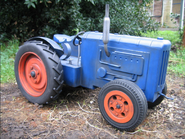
(106, 28)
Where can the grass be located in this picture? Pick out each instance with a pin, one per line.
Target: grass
(177, 59)
(177, 63)
(8, 52)
(173, 36)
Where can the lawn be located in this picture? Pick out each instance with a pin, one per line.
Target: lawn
(176, 62)
(8, 52)
(177, 56)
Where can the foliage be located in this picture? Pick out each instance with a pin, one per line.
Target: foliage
(8, 52)
(131, 18)
(27, 18)
(173, 17)
(173, 36)
(177, 59)
(177, 62)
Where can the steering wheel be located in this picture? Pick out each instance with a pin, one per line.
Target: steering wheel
(77, 37)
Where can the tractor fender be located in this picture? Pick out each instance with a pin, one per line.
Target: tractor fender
(52, 43)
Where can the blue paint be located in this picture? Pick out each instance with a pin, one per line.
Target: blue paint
(160, 38)
(71, 72)
(102, 72)
(53, 44)
(141, 60)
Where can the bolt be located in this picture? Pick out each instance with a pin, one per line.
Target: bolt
(38, 73)
(118, 106)
(33, 74)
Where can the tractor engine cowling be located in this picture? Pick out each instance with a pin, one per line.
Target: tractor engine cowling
(141, 60)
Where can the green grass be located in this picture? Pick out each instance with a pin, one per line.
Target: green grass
(173, 36)
(8, 52)
(177, 63)
(177, 59)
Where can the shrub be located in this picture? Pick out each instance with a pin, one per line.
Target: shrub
(173, 36)
(26, 18)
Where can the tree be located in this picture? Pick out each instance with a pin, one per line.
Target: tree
(27, 18)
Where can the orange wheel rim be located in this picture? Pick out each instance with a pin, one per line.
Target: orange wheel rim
(118, 106)
(32, 74)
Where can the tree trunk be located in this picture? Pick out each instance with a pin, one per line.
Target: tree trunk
(183, 39)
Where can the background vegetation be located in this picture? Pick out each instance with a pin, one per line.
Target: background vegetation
(23, 19)
(26, 18)
(177, 55)
(176, 62)
(8, 52)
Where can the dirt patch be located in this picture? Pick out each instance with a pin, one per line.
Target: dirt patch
(76, 115)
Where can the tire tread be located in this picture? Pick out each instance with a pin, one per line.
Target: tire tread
(136, 91)
(54, 61)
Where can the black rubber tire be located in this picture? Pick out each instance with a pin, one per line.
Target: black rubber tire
(53, 68)
(134, 93)
(159, 99)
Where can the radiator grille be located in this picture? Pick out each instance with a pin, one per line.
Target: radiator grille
(163, 67)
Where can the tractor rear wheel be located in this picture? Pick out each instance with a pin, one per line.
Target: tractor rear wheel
(38, 72)
(122, 104)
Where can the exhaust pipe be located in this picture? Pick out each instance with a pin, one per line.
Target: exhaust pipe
(106, 28)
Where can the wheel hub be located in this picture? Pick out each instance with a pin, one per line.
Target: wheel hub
(118, 106)
(33, 74)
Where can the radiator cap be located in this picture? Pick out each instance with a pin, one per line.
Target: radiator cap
(160, 38)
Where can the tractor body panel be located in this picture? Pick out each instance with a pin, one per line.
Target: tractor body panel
(72, 72)
(140, 60)
(129, 70)
(52, 43)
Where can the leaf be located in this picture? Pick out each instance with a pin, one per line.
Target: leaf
(33, 5)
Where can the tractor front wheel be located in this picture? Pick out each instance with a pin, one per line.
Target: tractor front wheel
(38, 72)
(122, 104)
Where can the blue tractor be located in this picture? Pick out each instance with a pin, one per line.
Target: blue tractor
(130, 71)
